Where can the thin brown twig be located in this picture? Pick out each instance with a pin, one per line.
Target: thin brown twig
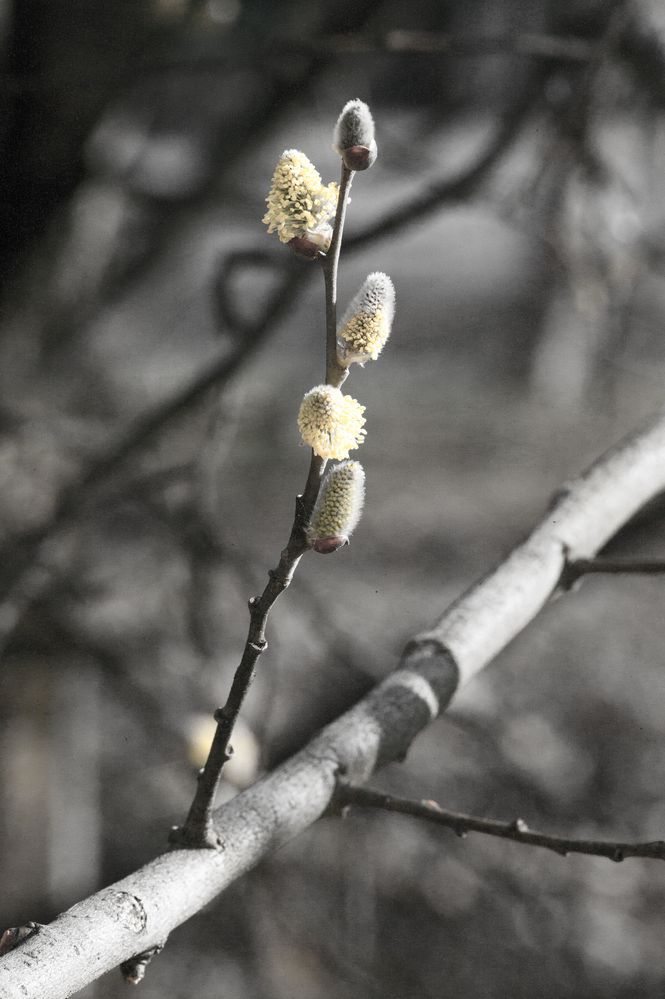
(198, 829)
(517, 830)
(335, 373)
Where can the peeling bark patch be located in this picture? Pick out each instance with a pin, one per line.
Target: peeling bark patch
(128, 910)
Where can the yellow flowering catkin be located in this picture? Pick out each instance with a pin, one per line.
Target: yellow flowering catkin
(366, 324)
(330, 422)
(338, 507)
(298, 201)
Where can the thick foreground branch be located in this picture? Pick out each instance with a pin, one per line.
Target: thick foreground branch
(140, 911)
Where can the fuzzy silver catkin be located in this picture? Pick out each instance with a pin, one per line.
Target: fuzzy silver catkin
(354, 136)
(338, 507)
(367, 322)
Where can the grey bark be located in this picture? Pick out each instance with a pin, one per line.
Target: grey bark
(140, 911)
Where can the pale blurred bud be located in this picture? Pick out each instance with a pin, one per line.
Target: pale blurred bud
(330, 422)
(354, 136)
(242, 768)
(366, 324)
(338, 508)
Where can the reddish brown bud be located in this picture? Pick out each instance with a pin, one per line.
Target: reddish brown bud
(15, 935)
(326, 546)
(304, 247)
(359, 157)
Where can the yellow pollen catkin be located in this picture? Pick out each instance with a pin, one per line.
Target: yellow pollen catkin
(331, 423)
(298, 200)
(365, 334)
(340, 502)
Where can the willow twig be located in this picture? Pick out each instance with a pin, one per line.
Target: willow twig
(198, 828)
(517, 830)
(335, 373)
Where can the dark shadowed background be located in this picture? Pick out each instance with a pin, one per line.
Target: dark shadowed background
(155, 344)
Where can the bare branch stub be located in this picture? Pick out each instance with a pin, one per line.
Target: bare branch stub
(134, 969)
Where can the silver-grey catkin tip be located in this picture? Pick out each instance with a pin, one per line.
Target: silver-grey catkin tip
(354, 136)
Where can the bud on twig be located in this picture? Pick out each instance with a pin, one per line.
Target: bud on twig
(299, 204)
(354, 136)
(313, 242)
(330, 422)
(338, 508)
(366, 324)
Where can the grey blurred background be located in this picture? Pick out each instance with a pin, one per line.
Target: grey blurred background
(154, 347)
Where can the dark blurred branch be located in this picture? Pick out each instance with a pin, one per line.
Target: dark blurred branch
(642, 47)
(517, 830)
(613, 567)
(19, 556)
(531, 45)
(138, 912)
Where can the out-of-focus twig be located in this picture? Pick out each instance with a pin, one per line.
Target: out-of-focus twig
(534, 45)
(517, 830)
(575, 570)
(530, 45)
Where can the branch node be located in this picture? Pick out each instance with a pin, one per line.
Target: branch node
(196, 836)
(133, 970)
(16, 935)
